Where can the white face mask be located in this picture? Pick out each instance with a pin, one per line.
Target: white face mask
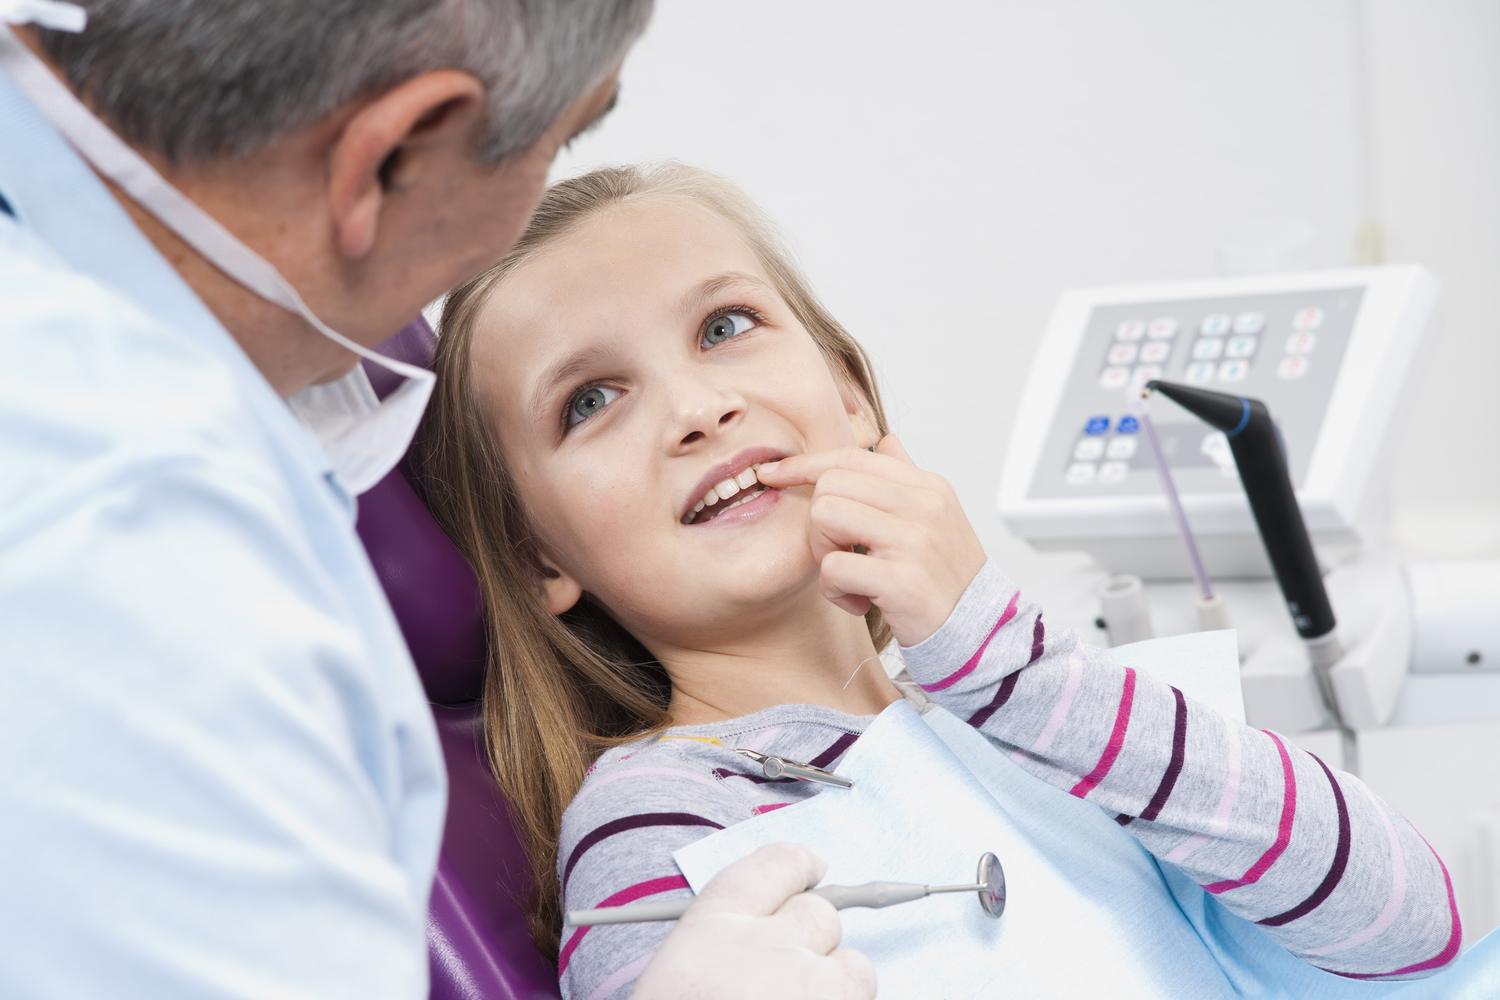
(363, 436)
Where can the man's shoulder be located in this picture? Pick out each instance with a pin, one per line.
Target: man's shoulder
(91, 382)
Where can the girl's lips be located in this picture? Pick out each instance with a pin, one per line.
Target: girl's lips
(752, 510)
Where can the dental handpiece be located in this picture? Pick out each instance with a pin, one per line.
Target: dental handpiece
(989, 886)
(1261, 460)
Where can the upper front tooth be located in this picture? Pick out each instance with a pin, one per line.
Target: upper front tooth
(745, 479)
(727, 488)
(710, 498)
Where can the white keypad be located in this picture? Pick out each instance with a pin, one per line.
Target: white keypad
(1292, 367)
(1081, 473)
(1301, 343)
(1200, 372)
(1121, 448)
(1114, 378)
(1207, 350)
(1162, 328)
(1249, 323)
(1144, 374)
(1239, 347)
(1214, 325)
(1130, 330)
(1123, 354)
(1234, 371)
(1156, 352)
(1113, 472)
(1089, 449)
(1310, 318)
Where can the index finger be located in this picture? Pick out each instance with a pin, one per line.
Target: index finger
(798, 470)
(757, 884)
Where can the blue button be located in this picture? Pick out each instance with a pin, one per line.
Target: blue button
(1096, 425)
(1128, 425)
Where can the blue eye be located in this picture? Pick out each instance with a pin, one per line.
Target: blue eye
(589, 402)
(727, 326)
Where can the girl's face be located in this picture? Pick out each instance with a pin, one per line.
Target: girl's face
(630, 367)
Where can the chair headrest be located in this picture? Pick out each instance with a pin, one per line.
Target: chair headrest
(428, 582)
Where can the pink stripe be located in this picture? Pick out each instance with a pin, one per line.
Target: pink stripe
(1398, 889)
(1442, 958)
(650, 887)
(973, 661)
(1060, 709)
(1283, 830)
(770, 807)
(626, 974)
(1116, 740)
(1220, 822)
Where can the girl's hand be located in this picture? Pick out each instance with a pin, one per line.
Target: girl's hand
(918, 551)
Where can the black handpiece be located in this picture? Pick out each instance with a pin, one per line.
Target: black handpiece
(1262, 463)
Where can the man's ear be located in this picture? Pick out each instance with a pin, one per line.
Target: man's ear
(421, 124)
(861, 414)
(560, 592)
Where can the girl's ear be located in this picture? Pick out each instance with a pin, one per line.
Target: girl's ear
(560, 592)
(861, 415)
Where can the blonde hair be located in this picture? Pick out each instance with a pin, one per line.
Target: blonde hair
(559, 691)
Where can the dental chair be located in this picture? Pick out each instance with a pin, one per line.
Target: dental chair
(478, 944)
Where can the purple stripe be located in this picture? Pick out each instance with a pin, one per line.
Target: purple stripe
(1335, 871)
(828, 756)
(1123, 820)
(1038, 634)
(1007, 686)
(1174, 767)
(635, 822)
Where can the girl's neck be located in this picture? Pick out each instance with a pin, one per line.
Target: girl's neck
(822, 657)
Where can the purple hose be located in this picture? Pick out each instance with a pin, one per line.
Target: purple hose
(1205, 586)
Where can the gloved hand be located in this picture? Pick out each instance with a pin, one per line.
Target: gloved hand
(753, 933)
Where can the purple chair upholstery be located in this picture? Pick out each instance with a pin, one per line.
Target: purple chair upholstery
(478, 944)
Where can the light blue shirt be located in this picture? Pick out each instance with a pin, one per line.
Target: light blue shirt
(218, 773)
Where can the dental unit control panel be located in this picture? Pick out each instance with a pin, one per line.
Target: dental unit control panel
(1327, 352)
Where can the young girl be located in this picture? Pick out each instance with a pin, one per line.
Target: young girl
(669, 467)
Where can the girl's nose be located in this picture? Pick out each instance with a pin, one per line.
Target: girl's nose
(703, 413)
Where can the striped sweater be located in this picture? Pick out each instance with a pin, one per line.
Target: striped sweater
(1311, 854)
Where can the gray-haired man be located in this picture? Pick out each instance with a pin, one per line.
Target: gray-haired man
(220, 775)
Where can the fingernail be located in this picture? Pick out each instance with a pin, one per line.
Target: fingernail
(769, 467)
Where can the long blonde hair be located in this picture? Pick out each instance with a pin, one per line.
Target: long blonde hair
(559, 691)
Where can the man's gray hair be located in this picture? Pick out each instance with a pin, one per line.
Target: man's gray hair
(204, 79)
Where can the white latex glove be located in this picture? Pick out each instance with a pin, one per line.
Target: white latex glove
(753, 932)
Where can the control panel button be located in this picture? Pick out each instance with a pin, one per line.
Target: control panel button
(1096, 425)
(1081, 473)
(1239, 347)
(1114, 378)
(1162, 328)
(1234, 371)
(1144, 374)
(1200, 372)
(1123, 354)
(1292, 367)
(1207, 349)
(1128, 425)
(1089, 449)
(1120, 447)
(1249, 323)
(1301, 343)
(1214, 325)
(1310, 318)
(1113, 472)
(1130, 330)
(1155, 352)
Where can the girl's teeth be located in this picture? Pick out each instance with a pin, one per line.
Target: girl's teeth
(700, 506)
(745, 479)
(727, 488)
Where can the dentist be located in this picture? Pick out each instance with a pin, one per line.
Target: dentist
(218, 772)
